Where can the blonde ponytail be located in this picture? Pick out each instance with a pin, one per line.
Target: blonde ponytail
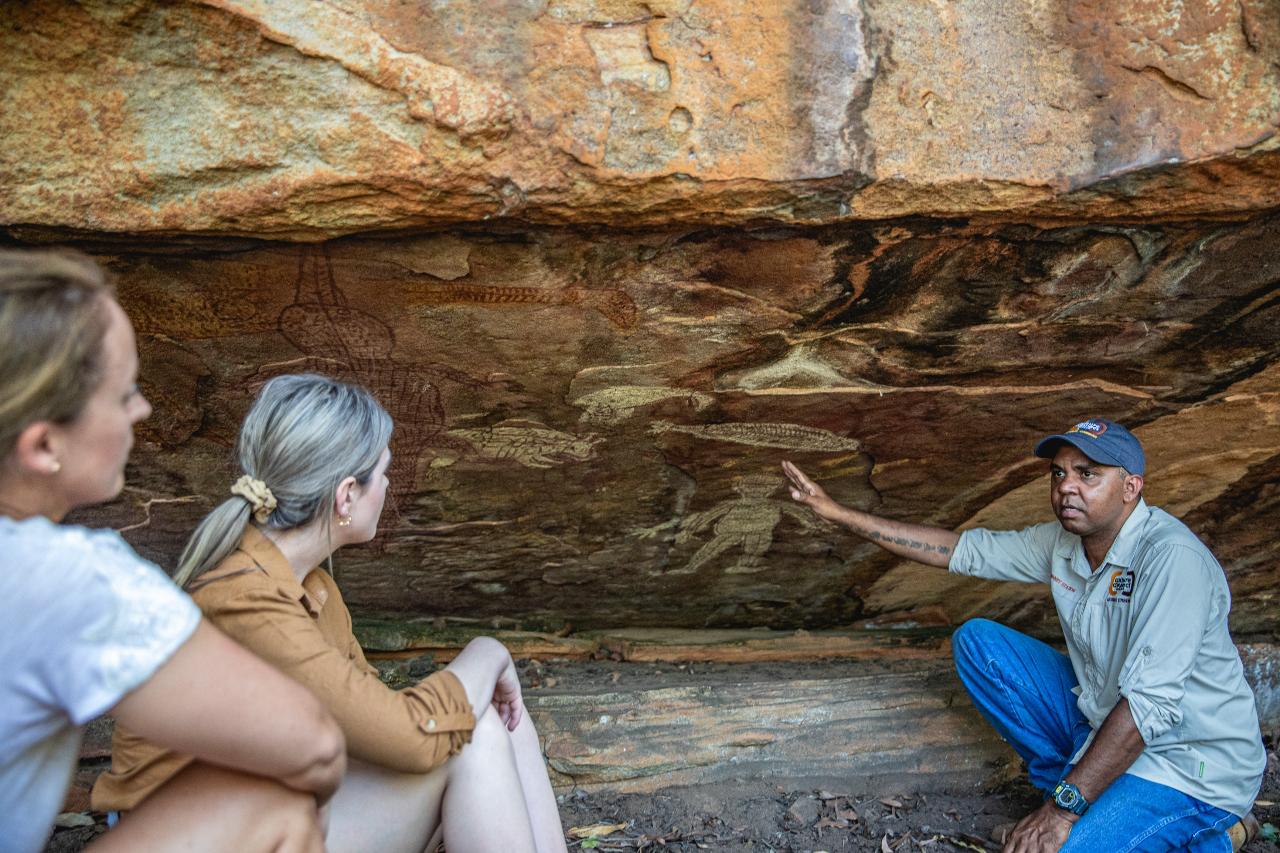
(303, 436)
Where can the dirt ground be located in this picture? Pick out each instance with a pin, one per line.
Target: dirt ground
(769, 815)
(766, 816)
(792, 816)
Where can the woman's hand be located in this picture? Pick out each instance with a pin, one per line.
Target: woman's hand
(488, 675)
(507, 699)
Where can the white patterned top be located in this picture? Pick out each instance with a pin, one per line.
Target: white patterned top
(83, 620)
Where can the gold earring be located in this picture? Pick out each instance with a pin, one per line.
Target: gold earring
(344, 521)
(55, 466)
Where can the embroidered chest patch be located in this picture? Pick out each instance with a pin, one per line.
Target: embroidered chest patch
(1120, 589)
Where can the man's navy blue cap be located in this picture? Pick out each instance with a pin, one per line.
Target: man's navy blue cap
(1103, 441)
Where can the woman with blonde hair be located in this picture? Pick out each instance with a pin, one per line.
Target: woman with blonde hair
(89, 627)
(455, 753)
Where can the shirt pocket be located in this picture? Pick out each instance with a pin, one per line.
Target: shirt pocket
(1102, 632)
(1109, 628)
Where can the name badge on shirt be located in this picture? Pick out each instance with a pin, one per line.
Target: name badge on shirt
(1120, 590)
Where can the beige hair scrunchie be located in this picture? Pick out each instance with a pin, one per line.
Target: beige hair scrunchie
(258, 496)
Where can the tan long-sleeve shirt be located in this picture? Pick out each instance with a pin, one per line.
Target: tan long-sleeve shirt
(304, 629)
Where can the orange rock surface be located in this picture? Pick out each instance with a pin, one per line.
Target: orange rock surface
(306, 120)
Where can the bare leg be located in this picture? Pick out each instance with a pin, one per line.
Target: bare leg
(384, 810)
(206, 809)
(485, 791)
(548, 832)
(477, 796)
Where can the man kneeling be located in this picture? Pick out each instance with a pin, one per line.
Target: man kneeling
(1145, 736)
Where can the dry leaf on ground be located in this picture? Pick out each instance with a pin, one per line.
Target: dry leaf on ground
(596, 830)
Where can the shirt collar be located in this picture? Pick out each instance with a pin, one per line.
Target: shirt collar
(264, 552)
(1122, 550)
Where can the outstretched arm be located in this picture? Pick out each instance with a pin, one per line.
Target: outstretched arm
(222, 704)
(922, 543)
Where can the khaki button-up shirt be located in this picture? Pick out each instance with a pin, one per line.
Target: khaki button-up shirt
(304, 629)
(1149, 625)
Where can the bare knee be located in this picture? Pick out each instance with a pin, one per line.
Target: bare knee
(210, 808)
(490, 732)
(279, 818)
(490, 743)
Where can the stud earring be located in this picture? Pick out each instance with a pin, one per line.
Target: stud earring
(344, 521)
(55, 466)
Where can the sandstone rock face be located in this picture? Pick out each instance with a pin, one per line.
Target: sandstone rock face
(607, 263)
(305, 120)
(876, 723)
(589, 426)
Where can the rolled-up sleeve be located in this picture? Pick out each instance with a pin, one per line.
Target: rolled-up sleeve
(1006, 555)
(412, 730)
(1172, 603)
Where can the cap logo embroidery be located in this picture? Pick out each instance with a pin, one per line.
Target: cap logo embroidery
(1093, 429)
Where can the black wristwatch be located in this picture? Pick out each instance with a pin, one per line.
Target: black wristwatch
(1068, 797)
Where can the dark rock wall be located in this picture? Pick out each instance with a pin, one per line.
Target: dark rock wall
(589, 424)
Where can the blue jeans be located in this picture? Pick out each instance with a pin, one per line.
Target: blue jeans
(1024, 688)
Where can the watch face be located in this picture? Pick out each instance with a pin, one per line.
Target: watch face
(1067, 796)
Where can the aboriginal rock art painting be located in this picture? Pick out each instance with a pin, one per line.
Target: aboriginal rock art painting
(745, 523)
(354, 346)
(531, 444)
(780, 435)
(614, 305)
(611, 406)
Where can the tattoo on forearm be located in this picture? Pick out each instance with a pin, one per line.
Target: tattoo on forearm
(913, 544)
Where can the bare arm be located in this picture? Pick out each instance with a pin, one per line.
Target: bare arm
(1115, 747)
(489, 676)
(932, 546)
(220, 703)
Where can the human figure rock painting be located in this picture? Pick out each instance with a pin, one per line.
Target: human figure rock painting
(746, 522)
